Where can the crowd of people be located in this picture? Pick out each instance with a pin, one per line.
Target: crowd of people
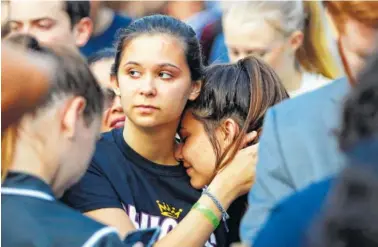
(189, 123)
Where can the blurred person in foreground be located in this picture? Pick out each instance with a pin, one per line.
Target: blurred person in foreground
(298, 146)
(51, 22)
(19, 96)
(288, 35)
(50, 153)
(340, 210)
(100, 64)
(106, 23)
(350, 212)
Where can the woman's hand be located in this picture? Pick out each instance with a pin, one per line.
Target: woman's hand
(237, 177)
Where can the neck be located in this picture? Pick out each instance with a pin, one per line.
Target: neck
(155, 144)
(103, 20)
(292, 79)
(28, 160)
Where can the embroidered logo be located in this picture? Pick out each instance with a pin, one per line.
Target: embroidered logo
(169, 211)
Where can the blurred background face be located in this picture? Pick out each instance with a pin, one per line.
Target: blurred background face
(154, 80)
(358, 43)
(113, 116)
(47, 21)
(260, 39)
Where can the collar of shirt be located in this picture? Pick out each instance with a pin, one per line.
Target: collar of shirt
(22, 184)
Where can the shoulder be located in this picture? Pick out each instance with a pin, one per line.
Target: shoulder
(299, 209)
(313, 101)
(107, 144)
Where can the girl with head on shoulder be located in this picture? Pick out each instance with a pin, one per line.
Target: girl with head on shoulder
(232, 103)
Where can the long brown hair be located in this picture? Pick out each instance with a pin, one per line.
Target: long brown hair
(243, 92)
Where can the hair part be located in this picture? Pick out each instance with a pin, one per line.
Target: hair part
(243, 92)
(161, 24)
(290, 16)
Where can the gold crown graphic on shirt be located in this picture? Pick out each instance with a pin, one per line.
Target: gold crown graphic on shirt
(169, 211)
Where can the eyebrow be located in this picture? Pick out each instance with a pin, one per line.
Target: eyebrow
(160, 65)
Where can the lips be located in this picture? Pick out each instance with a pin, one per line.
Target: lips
(117, 122)
(146, 109)
(147, 106)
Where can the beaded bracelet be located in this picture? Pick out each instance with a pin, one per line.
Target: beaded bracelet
(208, 213)
(225, 216)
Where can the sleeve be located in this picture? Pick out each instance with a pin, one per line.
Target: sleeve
(272, 181)
(93, 191)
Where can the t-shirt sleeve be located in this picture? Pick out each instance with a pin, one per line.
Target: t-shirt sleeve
(93, 191)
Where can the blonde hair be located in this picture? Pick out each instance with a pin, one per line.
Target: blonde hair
(288, 17)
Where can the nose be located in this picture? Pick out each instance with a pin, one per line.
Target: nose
(26, 29)
(148, 87)
(116, 106)
(178, 152)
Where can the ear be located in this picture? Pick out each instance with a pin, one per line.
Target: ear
(296, 40)
(195, 90)
(83, 31)
(230, 130)
(115, 85)
(72, 114)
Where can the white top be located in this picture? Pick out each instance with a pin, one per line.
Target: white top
(309, 83)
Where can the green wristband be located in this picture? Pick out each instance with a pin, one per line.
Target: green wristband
(208, 213)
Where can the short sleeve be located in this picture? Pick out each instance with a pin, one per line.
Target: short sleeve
(93, 191)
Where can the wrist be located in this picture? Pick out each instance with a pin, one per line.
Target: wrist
(222, 191)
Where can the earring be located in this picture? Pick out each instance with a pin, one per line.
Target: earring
(117, 92)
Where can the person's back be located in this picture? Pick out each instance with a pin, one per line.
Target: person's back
(345, 202)
(28, 203)
(46, 159)
(298, 145)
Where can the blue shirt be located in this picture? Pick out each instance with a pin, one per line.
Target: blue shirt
(107, 38)
(152, 195)
(31, 216)
(291, 219)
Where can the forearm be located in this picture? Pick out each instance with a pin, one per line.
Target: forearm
(195, 229)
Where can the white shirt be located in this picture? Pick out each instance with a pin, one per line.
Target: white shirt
(309, 83)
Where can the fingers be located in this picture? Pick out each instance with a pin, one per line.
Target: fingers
(248, 138)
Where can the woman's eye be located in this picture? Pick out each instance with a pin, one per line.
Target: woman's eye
(235, 52)
(165, 75)
(134, 73)
(183, 139)
(256, 53)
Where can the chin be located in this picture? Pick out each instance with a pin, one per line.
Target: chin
(148, 122)
(197, 184)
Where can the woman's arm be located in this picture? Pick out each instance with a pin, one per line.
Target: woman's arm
(195, 229)
(115, 217)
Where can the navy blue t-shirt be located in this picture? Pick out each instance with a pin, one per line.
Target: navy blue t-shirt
(107, 38)
(151, 194)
